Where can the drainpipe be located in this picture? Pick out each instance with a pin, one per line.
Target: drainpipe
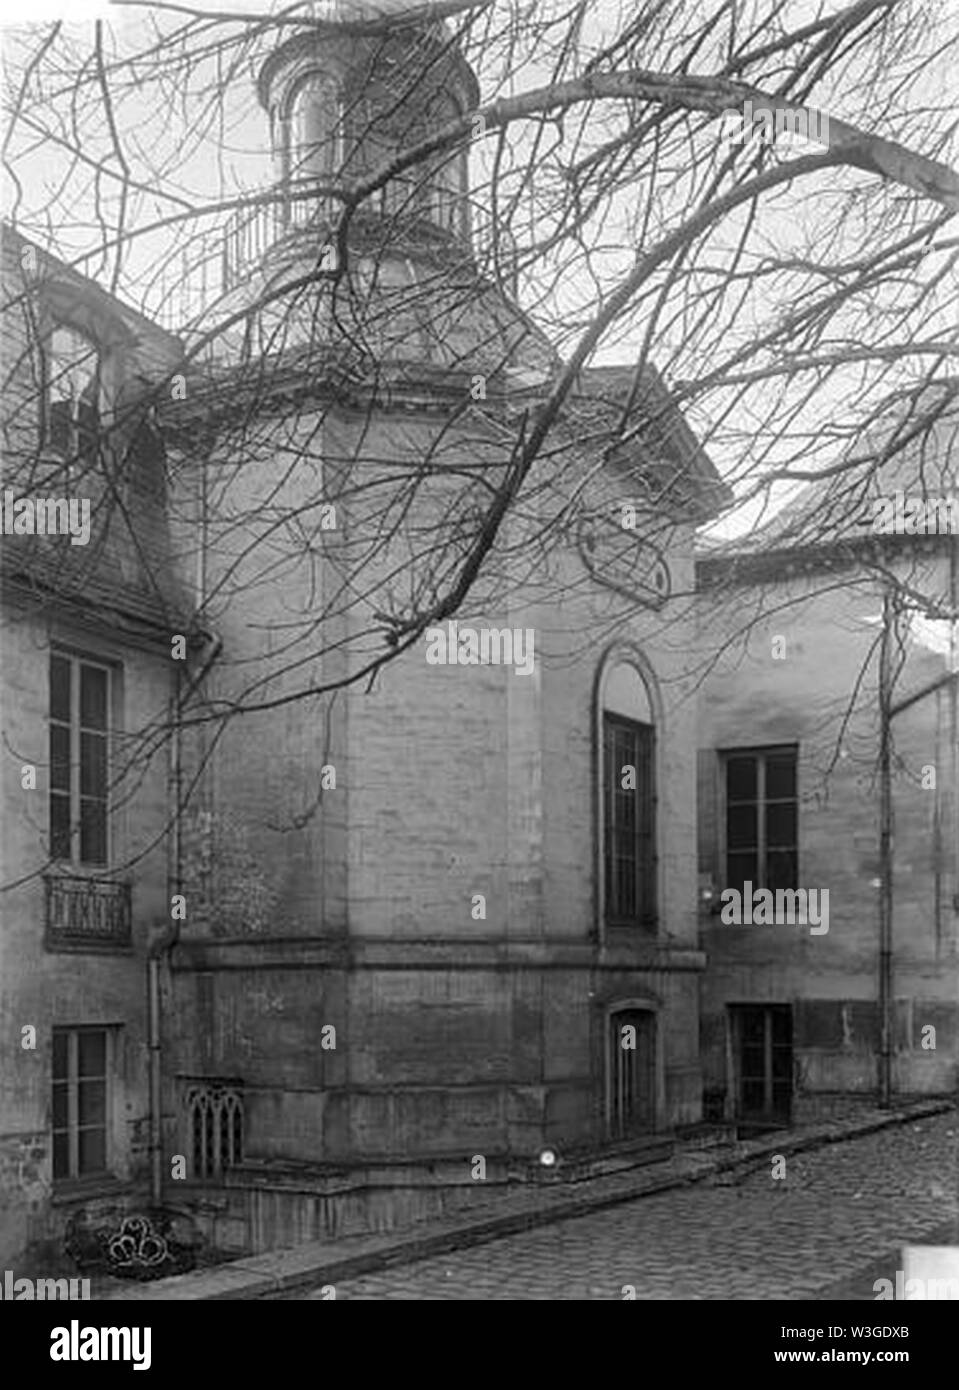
(888, 711)
(165, 940)
(954, 733)
(168, 930)
(885, 855)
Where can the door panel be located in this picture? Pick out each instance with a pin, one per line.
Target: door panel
(632, 1073)
(762, 1049)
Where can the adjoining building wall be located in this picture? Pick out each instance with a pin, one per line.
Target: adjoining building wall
(816, 688)
(73, 944)
(68, 982)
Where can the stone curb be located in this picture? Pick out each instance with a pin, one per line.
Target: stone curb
(320, 1262)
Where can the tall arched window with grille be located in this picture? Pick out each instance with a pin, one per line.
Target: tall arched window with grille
(314, 140)
(627, 800)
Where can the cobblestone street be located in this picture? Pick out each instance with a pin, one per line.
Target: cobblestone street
(827, 1229)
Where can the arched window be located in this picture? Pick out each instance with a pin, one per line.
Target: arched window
(215, 1128)
(71, 417)
(628, 799)
(370, 130)
(440, 194)
(313, 128)
(377, 128)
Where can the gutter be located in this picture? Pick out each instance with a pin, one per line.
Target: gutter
(889, 615)
(888, 710)
(168, 931)
(165, 941)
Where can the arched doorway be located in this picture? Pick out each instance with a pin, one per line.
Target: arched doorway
(631, 1072)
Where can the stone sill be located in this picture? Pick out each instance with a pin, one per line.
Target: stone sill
(78, 1190)
(70, 945)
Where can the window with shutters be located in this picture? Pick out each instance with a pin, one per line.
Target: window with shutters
(762, 817)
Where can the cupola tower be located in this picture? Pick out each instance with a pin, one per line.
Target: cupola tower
(344, 100)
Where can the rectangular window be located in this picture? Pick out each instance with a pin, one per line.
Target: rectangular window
(82, 1064)
(71, 419)
(629, 821)
(762, 818)
(79, 759)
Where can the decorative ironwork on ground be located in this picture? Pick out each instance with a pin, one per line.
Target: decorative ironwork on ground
(148, 1244)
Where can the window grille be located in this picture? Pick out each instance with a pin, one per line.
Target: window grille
(629, 822)
(215, 1127)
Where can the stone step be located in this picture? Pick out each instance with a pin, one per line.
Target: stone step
(705, 1136)
(616, 1158)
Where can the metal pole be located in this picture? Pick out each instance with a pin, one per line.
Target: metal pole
(885, 855)
(949, 803)
(156, 1134)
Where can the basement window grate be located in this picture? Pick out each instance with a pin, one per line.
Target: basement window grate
(215, 1122)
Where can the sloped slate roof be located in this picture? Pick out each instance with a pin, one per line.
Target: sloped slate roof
(838, 509)
(664, 444)
(98, 593)
(124, 576)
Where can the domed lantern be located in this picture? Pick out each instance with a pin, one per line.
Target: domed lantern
(345, 99)
(346, 96)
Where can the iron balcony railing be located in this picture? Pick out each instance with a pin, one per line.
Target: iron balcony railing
(224, 257)
(251, 231)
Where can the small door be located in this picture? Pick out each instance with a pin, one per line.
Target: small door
(762, 1044)
(632, 1072)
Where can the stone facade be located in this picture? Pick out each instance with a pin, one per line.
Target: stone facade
(330, 851)
(72, 949)
(351, 906)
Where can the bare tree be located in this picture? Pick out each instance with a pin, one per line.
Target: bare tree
(776, 288)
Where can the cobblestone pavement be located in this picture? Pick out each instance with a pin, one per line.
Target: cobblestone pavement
(840, 1212)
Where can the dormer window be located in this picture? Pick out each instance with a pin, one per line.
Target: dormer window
(71, 415)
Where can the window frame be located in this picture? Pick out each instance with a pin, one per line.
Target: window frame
(646, 866)
(778, 1085)
(761, 752)
(73, 1080)
(76, 729)
(214, 1126)
(305, 90)
(79, 453)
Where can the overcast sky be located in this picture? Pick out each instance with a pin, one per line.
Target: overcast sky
(202, 163)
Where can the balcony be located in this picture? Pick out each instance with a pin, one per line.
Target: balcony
(87, 913)
(251, 231)
(225, 258)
